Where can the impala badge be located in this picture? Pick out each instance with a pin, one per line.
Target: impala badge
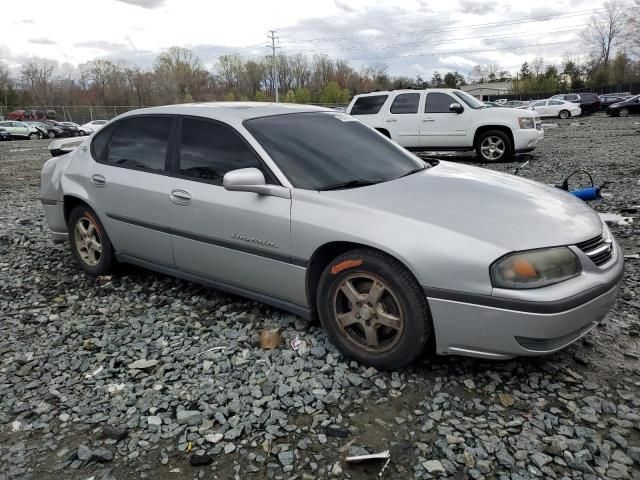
(254, 240)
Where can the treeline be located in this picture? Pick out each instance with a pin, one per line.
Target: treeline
(179, 76)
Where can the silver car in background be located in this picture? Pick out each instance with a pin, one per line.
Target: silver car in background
(312, 211)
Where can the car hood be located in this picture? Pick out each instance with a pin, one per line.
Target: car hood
(509, 212)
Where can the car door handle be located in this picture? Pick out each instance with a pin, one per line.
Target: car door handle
(428, 119)
(180, 197)
(98, 180)
(391, 120)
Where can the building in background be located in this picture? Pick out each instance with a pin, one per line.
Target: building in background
(484, 91)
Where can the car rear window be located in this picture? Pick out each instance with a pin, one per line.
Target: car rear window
(369, 105)
(405, 103)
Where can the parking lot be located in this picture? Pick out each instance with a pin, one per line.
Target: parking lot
(154, 374)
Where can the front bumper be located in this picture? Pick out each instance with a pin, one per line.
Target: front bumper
(499, 328)
(526, 139)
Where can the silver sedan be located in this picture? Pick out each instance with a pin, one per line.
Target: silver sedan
(310, 210)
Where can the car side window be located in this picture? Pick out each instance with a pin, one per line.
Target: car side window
(208, 150)
(99, 143)
(555, 102)
(438, 103)
(571, 98)
(140, 143)
(405, 103)
(369, 105)
(541, 103)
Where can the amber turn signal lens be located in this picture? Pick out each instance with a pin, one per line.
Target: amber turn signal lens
(524, 268)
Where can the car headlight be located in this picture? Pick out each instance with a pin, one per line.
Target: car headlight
(527, 122)
(535, 268)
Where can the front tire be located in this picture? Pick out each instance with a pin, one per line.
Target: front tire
(90, 243)
(494, 146)
(373, 309)
(51, 135)
(564, 114)
(624, 112)
(34, 136)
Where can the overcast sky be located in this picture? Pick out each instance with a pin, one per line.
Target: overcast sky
(411, 37)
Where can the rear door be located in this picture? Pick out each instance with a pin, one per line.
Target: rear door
(439, 126)
(239, 239)
(403, 121)
(128, 186)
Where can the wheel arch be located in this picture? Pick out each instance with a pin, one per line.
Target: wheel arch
(485, 128)
(325, 253)
(384, 131)
(71, 201)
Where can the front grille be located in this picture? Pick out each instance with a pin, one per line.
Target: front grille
(598, 249)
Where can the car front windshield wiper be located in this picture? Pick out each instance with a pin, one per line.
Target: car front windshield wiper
(411, 172)
(358, 182)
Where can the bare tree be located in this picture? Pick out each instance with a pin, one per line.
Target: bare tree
(35, 77)
(607, 31)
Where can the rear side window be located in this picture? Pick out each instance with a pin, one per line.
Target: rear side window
(555, 102)
(99, 143)
(208, 150)
(140, 143)
(571, 98)
(438, 103)
(369, 105)
(406, 103)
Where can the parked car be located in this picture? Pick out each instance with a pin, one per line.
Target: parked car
(22, 115)
(81, 130)
(21, 130)
(606, 100)
(95, 125)
(447, 119)
(555, 108)
(630, 106)
(319, 214)
(67, 130)
(49, 130)
(589, 102)
(4, 134)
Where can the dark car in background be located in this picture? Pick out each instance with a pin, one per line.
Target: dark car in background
(606, 100)
(48, 130)
(589, 102)
(629, 106)
(67, 130)
(4, 135)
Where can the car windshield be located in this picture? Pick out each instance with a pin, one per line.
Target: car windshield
(470, 100)
(329, 150)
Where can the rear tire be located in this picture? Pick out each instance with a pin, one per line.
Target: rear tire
(494, 146)
(564, 114)
(373, 309)
(51, 135)
(90, 243)
(34, 136)
(624, 112)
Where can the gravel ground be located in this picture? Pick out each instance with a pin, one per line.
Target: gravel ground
(138, 375)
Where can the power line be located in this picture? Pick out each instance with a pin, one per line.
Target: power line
(439, 42)
(465, 27)
(462, 52)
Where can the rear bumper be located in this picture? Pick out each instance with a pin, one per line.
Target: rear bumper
(498, 328)
(54, 213)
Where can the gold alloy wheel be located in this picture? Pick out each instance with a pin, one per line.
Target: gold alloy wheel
(88, 242)
(368, 312)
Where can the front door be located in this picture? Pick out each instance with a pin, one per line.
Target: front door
(128, 186)
(439, 126)
(239, 239)
(540, 107)
(402, 119)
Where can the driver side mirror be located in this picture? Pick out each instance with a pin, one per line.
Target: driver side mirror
(252, 180)
(456, 108)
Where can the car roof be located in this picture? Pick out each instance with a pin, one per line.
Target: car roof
(406, 90)
(236, 110)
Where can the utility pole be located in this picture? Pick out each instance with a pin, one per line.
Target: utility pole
(273, 38)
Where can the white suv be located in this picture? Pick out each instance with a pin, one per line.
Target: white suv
(448, 119)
